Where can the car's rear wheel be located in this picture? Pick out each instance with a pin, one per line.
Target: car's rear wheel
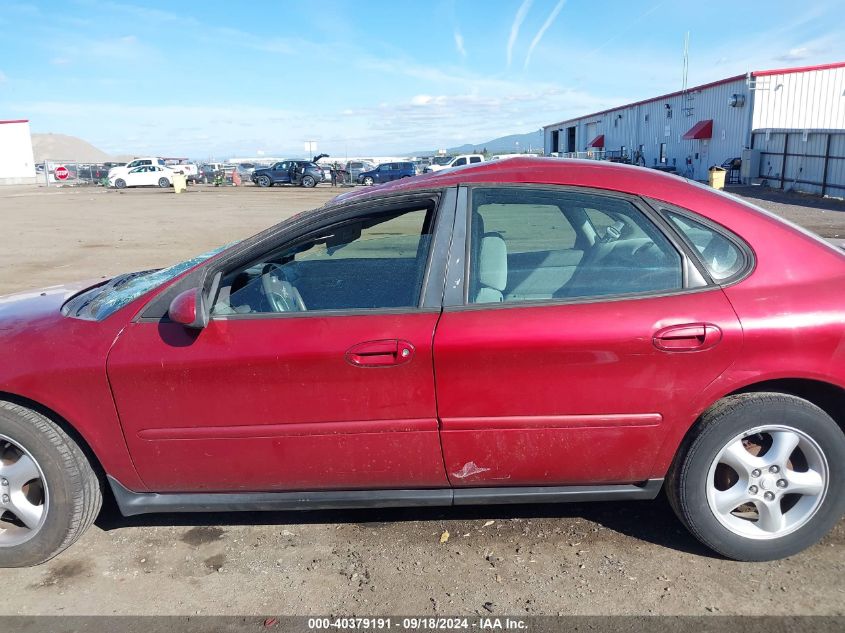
(368, 181)
(163, 182)
(308, 182)
(264, 181)
(49, 494)
(762, 477)
(120, 183)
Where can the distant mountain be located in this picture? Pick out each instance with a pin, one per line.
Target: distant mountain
(64, 147)
(511, 144)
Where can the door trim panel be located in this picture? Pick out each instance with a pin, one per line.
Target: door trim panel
(285, 430)
(551, 421)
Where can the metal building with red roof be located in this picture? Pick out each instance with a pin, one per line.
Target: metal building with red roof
(788, 124)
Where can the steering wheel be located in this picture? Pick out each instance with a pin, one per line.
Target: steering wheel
(280, 293)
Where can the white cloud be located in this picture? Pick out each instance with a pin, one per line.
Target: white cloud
(518, 19)
(459, 44)
(80, 50)
(476, 112)
(539, 36)
(795, 54)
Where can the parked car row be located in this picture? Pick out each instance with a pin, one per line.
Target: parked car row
(154, 171)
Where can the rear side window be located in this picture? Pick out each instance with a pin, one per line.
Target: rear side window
(475, 159)
(721, 257)
(540, 244)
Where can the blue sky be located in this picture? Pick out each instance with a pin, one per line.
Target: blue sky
(371, 76)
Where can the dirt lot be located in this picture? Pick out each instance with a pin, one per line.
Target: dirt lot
(624, 558)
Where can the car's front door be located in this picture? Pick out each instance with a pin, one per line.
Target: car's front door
(582, 338)
(383, 172)
(281, 172)
(139, 176)
(314, 372)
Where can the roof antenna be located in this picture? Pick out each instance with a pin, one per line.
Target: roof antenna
(686, 97)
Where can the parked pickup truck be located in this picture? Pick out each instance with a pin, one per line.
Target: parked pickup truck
(190, 171)
(457, 161)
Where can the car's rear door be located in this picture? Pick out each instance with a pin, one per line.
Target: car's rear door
(579, 341)
(336, 396)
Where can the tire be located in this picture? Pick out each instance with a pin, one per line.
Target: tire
(309, 182)
(717, 492)
(72, 497)
(368, 181)
(120, 183)
(163, 182)
(264, 181)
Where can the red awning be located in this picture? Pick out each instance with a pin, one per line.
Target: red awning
(597, 142)
(701, 130)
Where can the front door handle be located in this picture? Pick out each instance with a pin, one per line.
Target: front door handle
(689, 337)
(382, 353)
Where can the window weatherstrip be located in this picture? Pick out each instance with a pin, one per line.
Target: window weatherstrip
(456, 272)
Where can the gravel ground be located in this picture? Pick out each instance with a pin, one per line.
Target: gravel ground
(622, 558)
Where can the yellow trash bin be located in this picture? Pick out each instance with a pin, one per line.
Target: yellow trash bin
(180, 183)
(717, 177)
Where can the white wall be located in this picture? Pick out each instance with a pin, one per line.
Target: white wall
(17, 165)
(813, 99)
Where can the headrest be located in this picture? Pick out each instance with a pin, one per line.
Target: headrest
(493, 262)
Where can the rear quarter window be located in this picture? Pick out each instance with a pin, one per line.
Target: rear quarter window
(721, 256)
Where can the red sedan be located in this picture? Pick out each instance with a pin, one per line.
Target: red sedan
(529, 330)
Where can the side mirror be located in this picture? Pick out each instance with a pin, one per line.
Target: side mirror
(187, 309)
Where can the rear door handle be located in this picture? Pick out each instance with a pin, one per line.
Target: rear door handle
(381, 353)
(689, 337)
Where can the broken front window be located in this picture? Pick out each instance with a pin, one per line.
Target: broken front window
(98, 303)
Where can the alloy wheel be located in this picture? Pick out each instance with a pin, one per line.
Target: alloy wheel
(767, 482)
(24, 498)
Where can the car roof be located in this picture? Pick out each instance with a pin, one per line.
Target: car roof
(542, 171)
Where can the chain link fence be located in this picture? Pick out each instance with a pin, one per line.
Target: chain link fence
(54, 172)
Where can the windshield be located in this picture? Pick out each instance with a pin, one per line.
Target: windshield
(441, 160)
(98, 303)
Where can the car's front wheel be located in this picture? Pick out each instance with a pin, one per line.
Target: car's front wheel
(120, 183)
(264, 181)
(368, 181)
(49, 494)
(763, 477)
